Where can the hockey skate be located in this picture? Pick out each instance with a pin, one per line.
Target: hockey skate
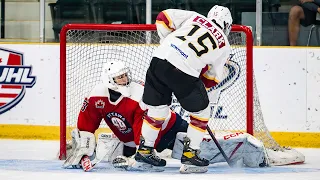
(190, 160)
(147, 155)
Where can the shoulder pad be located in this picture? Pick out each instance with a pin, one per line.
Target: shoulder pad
(99, 90)
(136, 91)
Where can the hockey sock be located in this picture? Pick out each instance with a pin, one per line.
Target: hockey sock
(150, 130)
(196, 130)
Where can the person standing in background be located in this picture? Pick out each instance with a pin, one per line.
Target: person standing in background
(303, 13)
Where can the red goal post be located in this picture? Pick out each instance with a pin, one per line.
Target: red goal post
(84, 47)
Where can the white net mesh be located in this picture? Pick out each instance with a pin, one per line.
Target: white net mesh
(87, 50)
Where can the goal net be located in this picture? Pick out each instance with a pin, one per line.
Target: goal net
(85, 47)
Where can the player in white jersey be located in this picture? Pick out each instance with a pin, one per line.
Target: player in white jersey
(190, 42)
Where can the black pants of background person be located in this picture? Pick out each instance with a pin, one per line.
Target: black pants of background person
(304, 14)
(310, 13)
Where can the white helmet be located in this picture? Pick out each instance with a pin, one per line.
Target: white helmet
(111, 70)
(222, 16)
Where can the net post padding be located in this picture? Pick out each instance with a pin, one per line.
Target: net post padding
(84, 47)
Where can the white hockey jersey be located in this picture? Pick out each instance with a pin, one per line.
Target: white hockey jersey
(190, 41)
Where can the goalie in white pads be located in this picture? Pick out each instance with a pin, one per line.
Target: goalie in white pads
(117, 100)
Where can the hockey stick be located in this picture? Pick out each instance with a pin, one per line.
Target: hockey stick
(219, 147)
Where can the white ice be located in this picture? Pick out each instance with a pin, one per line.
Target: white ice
(24, 160)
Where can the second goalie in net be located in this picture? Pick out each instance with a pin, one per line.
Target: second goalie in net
(119, 102)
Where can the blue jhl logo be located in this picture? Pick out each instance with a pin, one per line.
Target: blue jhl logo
(14, 79)
(16, 75)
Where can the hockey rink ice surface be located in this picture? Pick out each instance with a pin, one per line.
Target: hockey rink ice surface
(26, 159)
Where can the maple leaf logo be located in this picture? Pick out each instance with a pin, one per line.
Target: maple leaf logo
(100, 104)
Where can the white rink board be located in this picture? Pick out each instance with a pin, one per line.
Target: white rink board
(287, 81)
(40, 105)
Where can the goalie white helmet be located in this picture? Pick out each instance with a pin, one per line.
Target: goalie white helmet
(110, 71)
(221, 16)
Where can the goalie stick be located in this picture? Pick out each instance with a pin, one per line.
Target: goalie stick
(218, 145)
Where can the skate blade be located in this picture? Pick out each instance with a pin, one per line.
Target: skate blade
(187, 169)
(141, 166)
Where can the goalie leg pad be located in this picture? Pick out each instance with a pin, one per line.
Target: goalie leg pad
(108, 148)
(83, 144)
(241, 148)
